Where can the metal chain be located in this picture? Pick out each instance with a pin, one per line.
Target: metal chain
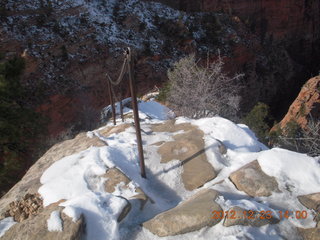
(123, 70)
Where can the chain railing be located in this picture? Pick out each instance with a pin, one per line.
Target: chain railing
(127, 66)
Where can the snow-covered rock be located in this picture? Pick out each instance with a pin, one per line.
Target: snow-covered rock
(50, 224)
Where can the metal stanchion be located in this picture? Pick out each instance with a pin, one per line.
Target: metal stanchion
(128, 66)
(121, 111)
(111, 103)
(135, 113)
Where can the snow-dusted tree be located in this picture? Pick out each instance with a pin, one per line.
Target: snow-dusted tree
(197, 91)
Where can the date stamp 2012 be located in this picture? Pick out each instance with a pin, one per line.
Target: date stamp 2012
(251, 214)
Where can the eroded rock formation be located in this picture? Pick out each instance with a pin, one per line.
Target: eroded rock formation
(305, 106)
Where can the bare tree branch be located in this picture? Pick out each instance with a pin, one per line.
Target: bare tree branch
(203, 91)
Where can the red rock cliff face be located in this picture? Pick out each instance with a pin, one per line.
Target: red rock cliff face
(306, 105)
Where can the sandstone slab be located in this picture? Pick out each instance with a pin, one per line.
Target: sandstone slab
(189, 148)
(191, 215)
(244, 217)
(106, 132)
(253, 181)
(170, 126)
(114, 177)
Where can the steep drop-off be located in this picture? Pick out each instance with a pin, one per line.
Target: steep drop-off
(288, 33)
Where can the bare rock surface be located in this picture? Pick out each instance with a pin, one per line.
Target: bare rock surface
(309, 233)
(189, 148)
(114, 177)
(35, 228)
(244, 217)
(106, 132)
(253, 181)
(311, 201)
(170, 126)
(190, 215)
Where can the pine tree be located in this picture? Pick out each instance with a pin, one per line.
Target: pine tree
(18, 124)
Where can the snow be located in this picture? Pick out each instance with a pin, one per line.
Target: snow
(299, 170)
(54, 222)
(148, 109)
(154, 110)
(235, 137)
(72, 176)
(6, 224)
(79, 180)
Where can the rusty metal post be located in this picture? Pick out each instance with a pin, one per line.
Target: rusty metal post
(135, 112)
(111, 102)
(121, 111)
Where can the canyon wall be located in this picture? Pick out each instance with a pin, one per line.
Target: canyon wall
(288, 34)
(69, 46)
(295, 23)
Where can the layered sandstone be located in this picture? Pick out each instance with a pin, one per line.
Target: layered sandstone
(306, 105)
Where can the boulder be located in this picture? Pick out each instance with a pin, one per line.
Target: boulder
(253, 181)
(190, 215)
(243, 217)
(35, 228)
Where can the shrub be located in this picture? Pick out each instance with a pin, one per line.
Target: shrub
(258, 119)
(305, 140)
(198, 92)
(163, 92)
